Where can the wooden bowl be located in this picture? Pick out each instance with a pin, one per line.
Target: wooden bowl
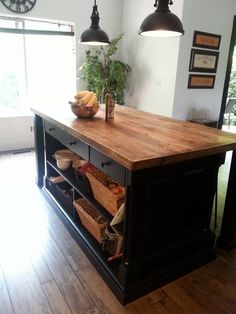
(82, 111)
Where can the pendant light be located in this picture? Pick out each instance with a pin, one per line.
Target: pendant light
(94, 35)
(162, 23)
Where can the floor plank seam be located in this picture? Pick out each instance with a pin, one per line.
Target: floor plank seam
(61, 294)
(49, 303)
(8, 292)
(69, 266)
(36, 272)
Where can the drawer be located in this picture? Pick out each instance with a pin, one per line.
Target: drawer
(68, 140)
(108, 165)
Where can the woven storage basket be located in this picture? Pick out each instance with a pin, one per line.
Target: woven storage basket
(102, 194)
(90, 218)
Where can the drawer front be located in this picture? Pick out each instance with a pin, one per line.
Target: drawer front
(107, 165)
(68, 140)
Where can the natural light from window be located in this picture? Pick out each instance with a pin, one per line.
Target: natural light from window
(12, 74)
(35, 67)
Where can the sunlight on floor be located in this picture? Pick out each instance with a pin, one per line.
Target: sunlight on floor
(23, 226)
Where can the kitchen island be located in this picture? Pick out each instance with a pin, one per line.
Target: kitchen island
(169, 170)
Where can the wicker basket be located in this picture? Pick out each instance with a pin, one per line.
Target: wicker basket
(103, 194)
(90, 218)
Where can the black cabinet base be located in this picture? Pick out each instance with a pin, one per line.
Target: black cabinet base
(156, 281)
(151, 280)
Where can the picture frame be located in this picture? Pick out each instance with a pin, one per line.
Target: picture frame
(206, 40)
(203, 61)
(201, 81)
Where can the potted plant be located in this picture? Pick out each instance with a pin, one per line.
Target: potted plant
(103, 73)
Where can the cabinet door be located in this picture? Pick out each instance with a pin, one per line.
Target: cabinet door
(194, 197)
(173, 204)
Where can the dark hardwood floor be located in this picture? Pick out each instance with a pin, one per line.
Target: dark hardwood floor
(43, 270)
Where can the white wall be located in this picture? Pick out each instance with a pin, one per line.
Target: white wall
(212, 16)
(153, 60)
(159, 78)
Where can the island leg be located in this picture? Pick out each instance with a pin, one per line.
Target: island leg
(39, 150)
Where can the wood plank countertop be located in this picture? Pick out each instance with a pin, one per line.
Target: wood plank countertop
(139, 140)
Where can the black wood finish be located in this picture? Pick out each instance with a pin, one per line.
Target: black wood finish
(39, 149)
(119, 275)
(91, 248)
(68, 140)
(107, 165)
(227, 238)
(167, 217)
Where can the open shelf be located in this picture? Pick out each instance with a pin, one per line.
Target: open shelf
(69, 176)
(87, 241)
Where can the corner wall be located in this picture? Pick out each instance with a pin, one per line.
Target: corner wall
(160, 67)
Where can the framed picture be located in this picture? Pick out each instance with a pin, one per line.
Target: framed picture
(203, 61)
(206, 40)
(201, 81)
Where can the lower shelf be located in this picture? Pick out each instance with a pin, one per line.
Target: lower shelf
(63, 194)
(130, 282)
(108, 270)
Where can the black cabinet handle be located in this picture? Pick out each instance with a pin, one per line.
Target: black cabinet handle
(51, 129)
(105, 163)
(72, 143)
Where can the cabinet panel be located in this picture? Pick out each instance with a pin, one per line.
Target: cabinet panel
(173, 204)
(68, 140)
(107, 165)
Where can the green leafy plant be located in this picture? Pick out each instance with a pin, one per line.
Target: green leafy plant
(232, 85)
(104, 74)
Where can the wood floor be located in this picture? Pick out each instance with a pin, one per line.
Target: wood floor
(43, 270)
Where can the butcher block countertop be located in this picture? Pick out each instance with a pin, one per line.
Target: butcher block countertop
(139, 140)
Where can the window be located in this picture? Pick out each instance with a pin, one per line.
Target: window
(37, 63)
(12, 74)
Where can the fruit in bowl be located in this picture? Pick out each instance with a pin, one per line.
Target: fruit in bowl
(85, 104)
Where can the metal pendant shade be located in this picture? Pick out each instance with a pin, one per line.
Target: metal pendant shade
(94, 35)
(162, 23)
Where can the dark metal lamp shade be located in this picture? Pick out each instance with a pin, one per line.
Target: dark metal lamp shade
(94, 35)
(162, 23)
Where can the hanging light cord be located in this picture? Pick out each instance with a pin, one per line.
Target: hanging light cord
(169, 2)
(95, 16)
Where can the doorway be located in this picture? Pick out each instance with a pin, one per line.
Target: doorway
(227, 119)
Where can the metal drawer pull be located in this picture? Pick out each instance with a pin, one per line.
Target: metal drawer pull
(106, 163)
(50, 129)
(72, 143)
